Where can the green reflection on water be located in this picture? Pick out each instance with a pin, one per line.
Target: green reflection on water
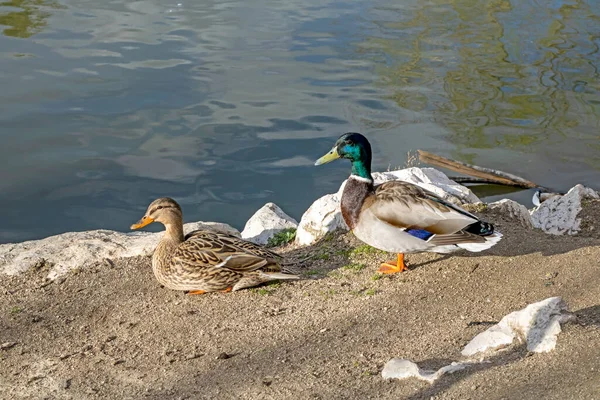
(515, 75)
(30, 20)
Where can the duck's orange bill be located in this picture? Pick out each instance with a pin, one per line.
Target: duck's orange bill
(142, 223)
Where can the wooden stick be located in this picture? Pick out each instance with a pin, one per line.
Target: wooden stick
(484, 175)
(470, 179)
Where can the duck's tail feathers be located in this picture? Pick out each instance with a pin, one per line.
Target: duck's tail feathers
(463, 240)
(259, 277)
(480, 228)
(279, 275)
(490, 241)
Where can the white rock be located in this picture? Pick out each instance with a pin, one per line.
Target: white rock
(211, 226)
(538, 324)
(324, 215)
(266, 222)
(75, 249)
(558, 215)
(433, 180)
(539, 197)
(399, 368)
(514, 210)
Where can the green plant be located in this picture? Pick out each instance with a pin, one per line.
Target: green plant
(328, 293)
(344, 252)
(354, 267)
(322, 255)
(283, 237)
(334, 274)
(328, 237)
(364, 249)
(267, 288)
(312, 272)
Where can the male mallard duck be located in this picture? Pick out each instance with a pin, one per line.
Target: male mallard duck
(401, 217)
(206, 261)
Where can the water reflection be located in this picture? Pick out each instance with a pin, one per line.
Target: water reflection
(515, 75)
(224, 105)
(30, 19)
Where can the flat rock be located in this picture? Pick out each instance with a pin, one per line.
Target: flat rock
(76, 249)
(399, 368)
(513, 210)
(538, 325)
(558, 214)
(266, 222)
(324, 214)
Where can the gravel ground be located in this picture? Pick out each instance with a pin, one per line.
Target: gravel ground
(110, 331)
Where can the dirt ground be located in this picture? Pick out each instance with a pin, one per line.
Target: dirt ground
(110, 330)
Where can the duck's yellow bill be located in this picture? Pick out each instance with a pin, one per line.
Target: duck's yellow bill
(142, 223)
(332, 155)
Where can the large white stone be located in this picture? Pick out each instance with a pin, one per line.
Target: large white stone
(433, 180)
(538, 325)
(399, 368)
(324, 214)
(77, 249)
(514, 210)
(266, 222)
(558, 215)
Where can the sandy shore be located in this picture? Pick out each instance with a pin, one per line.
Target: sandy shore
(110, 331)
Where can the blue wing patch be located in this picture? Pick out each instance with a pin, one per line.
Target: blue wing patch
(419, 233)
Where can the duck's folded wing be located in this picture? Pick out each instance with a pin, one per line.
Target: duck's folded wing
(214, 249)
(219, 239)
(409, 207)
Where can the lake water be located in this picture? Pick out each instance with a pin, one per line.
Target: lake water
(225, 105)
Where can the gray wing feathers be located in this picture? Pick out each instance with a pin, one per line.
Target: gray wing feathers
(408, 206)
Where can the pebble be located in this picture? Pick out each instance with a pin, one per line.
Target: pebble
(267, 381)
(36, 378)
(66, 383)
(223, 356)
(193, 356)
(8, 345)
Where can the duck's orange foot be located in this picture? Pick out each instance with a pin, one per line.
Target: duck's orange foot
(227, 290)
(393, 266)
(192, 292)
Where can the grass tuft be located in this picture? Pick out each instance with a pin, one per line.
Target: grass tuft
(281, 238)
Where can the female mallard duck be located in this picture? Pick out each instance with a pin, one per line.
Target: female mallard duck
(401, 217)
(206, 261)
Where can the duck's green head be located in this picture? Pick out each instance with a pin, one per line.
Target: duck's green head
(354, 147)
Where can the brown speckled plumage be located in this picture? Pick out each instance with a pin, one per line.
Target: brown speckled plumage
(205, 260)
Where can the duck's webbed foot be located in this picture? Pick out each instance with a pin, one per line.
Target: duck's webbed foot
(393, 266)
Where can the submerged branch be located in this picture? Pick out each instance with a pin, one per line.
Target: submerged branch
(481, 174)
(469, 179)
